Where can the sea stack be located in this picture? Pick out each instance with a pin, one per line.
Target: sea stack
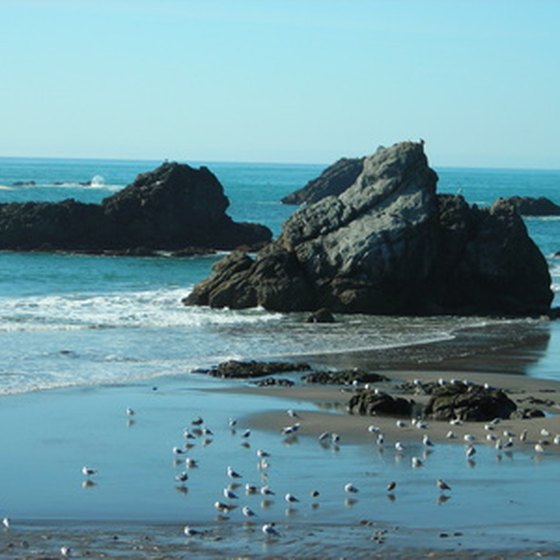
(170, 208)
(389, 244)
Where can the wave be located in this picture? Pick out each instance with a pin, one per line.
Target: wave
(142, 309)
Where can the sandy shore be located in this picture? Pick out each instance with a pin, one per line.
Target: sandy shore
(134, 509)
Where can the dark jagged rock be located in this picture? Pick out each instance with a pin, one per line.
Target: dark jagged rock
(24, 183)
(530, 206)
(371, 403)
(527, 413)
(343, 377)
(390, 245)
(469, 403)
(334, 180)
(172, 207)
(321, 316)
(234, 369)
(275, 382)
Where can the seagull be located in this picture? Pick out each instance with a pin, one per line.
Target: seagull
(508, 434)
(421, 425)
(455, 422)
(314, 493)
(230, 495)
(556, 439)
(523, 436)
(391, 486)
(350, 488)
(416, 462)
(88, 471)
(427, 441)
(262, 454)
(324, 436)
(6, 522)
(545, 432)
(399, 447)
(491, 437)
(263, 464)
(401, 424)
(207, 432)
(233, 474)
(182, 477)
(266, 491)
(442, 485)
(224, 508)
(187, 434)
(335, 438)
(290, 498)
(373, 429)
(232, 423)
(198, 421)
(450, 434)
(177, 451)
(469, 438)
(269, 530)
(251, 489)
(130, 412)
(292, 413)
(246, 433)
(190, 532)
(539, 448)
(65, 551)
(380, 439)
(248, 512)
(470, 451)
(191, 463)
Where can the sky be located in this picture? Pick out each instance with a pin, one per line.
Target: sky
(281, 80)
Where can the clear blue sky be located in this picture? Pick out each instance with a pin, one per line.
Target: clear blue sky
(281, 80)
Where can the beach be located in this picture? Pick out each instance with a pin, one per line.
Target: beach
(499, 504)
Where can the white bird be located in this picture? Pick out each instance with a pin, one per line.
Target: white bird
(230, 495)
(469, 438)
(399, 447)
(401, 424)
(556, 439)
(190, 532)
(508, 434)
(246, 433)
(292, 413)
(251, 489)
(350, 488)
(470, 451)
(88, 471)
(198, 421)
(373, 429)
(488, 427)
(65, 551)
(335, 438)
(545, 432)
(314, 493)
(491, 437)
(130, 412)
(539, 448)
(262, 454)
(182, 477)
(416, 462)
(266, 491)
(391, 486)
(223, 508)
(450, 435)
(427, 441)
(191, 463)
(442, 485)
(207, 432)
(177, 451)
(232, 474)
(187, 434)
(290, 498)
(248, 512)
(324, 436)
(523, 436)
(232, 422)
(263, 465)
(380, 439)
(269, 530)
(455, 422)
(6, 522)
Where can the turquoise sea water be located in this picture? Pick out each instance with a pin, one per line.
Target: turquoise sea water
(82, 320)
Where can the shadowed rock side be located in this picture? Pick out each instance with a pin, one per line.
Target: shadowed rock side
(390, 245)
(529, 206)
(172, 207)
(334, 180)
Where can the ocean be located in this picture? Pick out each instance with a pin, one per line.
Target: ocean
(78, 320)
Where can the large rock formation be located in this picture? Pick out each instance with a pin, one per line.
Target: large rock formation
(390, 245)
(334, 180)
(529, 206)
(172, 207)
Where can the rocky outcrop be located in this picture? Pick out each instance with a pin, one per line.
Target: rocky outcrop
(469, 403)
(390, 245)
(343, 377)
(334, 180)
(529, 206)
(234, 369)
(373, 403)
(173, 207)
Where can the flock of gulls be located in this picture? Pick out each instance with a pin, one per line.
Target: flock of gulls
(239, 489)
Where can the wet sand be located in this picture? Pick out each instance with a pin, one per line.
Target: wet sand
(134, 511)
